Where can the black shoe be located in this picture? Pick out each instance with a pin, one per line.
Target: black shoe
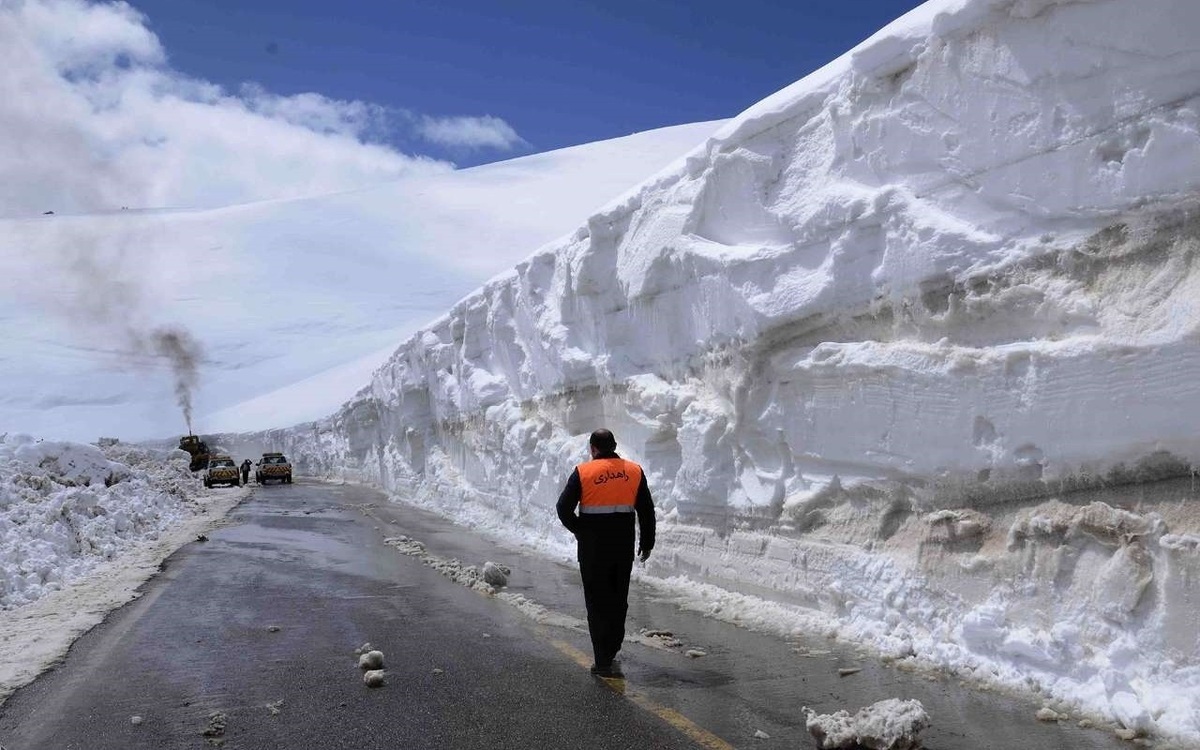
(611, 669)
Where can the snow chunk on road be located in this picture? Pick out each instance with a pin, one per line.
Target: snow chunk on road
(891, 724)
(495, 575)
(371, 660)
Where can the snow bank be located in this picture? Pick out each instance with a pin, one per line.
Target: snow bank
(81, 528)
(66, 507)
(863, 341)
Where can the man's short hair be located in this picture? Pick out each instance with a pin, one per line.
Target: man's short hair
(603, 440)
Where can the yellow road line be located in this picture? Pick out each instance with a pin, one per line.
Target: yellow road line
(697, 734)
(694, 732)
(576, 655)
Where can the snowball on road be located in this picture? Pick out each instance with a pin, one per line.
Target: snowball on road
(495, 575)
(371, 660)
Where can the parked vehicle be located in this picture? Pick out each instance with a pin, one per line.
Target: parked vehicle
(273, 467)
(221, 470)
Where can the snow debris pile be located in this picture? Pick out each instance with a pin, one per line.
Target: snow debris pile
(82, 527)
(865, 341)
(891, 724)
(66, 507)
(666, 636)
(489, 580)
(473, 578)
(217, 723)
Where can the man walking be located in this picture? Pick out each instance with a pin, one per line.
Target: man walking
(246, 471)
(609, 491)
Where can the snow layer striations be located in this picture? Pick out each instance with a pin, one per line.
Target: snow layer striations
(865, 341)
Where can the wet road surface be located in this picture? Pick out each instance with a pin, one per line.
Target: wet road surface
(247, 641)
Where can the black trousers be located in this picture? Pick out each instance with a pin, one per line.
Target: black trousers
(605, 564)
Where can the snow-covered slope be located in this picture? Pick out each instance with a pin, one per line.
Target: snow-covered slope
(863, 340)
(275, 293)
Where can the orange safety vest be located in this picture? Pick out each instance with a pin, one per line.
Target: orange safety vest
(610, 485)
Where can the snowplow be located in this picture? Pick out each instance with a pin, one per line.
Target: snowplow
(197, 449)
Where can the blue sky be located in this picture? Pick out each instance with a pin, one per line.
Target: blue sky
(559, 72)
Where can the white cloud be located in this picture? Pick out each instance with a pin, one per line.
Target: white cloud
(317, 113)
(76, 35)
(469, 132)
(91, 118)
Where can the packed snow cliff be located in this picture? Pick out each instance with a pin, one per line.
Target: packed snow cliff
(865, 341)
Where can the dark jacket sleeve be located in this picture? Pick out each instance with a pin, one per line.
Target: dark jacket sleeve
(568, 500)
(644, 505)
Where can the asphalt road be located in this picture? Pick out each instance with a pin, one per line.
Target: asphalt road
(247, 641)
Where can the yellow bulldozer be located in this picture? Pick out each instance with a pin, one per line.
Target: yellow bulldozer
(198, 449)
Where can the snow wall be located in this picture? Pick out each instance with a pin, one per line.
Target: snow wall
(864, 340)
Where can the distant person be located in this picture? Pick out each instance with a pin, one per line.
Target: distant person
(609, 490)
(246, 471)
